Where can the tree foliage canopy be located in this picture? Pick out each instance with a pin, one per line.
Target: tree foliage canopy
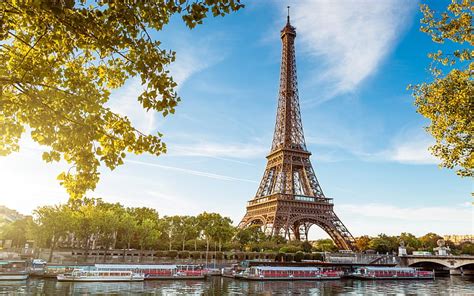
(448, 101)
(61, 59)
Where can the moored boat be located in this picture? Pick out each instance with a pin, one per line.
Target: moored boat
(230, 271)
(37, 268)
(212, 271)
(53, 270)
(79, 275)
(289, 273)
(159, 271)
(13, 270)
(392, 273)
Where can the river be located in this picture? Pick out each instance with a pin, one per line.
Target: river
(454, 285)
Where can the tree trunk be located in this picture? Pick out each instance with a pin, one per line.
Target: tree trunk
(184, 242)
(207, 250)
(53, 245)
(141, 252)
(114, 240)
(86, 250)
(195, 245)
(220, 245)
(105, 253)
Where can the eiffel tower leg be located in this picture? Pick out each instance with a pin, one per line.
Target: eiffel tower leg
(306, 227)
(296, 231)
(338, 233)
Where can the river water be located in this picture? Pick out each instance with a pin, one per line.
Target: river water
(454, 285)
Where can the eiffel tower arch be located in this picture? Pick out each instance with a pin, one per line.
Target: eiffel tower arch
(289, 199)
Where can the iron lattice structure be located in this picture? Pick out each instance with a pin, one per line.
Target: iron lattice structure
(289, 199)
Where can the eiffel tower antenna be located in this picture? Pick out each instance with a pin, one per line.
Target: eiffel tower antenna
(288, 16)
(289, 199)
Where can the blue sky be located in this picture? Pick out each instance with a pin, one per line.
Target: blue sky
(354, 60)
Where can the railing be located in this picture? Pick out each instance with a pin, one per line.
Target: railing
(303, 198)
(360, 258)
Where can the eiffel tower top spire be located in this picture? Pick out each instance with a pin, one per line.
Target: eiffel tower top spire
(288, 128)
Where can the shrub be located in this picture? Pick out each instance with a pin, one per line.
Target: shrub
(290, 249)
(183, 254)
(219, 255)
(280, 257)
(161, 254)
(289, 257)
(299, 256)
(172, 254)
(317, 256)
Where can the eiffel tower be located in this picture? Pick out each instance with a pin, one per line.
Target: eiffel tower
(289, 199)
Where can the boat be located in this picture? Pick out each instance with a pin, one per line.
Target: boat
(37, 268)
(159, 271)
(79, 275)
(392, 273)
(230, 271)
(53, 270)
(212, 271)
(11, 270)
(290, 273)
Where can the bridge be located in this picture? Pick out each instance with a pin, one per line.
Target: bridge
(462, 264)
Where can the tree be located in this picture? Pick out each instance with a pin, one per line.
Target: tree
(325, 245)
(429, 241)
(362, 243)
(127, 229)
(214, 227)
(107, 221)
(17, 231)
(249, 235)
(53, 222)
(224, 231)
(307, 247)
(147, 234)
(186, 229)
(61, 59)
(467, 248)
(411, 242)
(447, 101)
(84, 224)
(169, 228)
(384, 243)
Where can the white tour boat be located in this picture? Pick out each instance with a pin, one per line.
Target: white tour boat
(391, 273)
(159, 271)
(13, 271)
(290, 273)
(79, 275)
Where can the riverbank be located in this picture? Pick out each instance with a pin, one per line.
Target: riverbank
(135, 256)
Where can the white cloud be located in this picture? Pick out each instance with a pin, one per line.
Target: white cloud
(219, 150)
(192, 172)
(423, 214)
(410, 147)
(375, 218)
(350, 38)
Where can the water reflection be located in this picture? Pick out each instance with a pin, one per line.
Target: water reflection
(224, 286)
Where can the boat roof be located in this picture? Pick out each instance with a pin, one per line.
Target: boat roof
(136, 266)
(5, 262)
(292, 268)
(388, 268)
